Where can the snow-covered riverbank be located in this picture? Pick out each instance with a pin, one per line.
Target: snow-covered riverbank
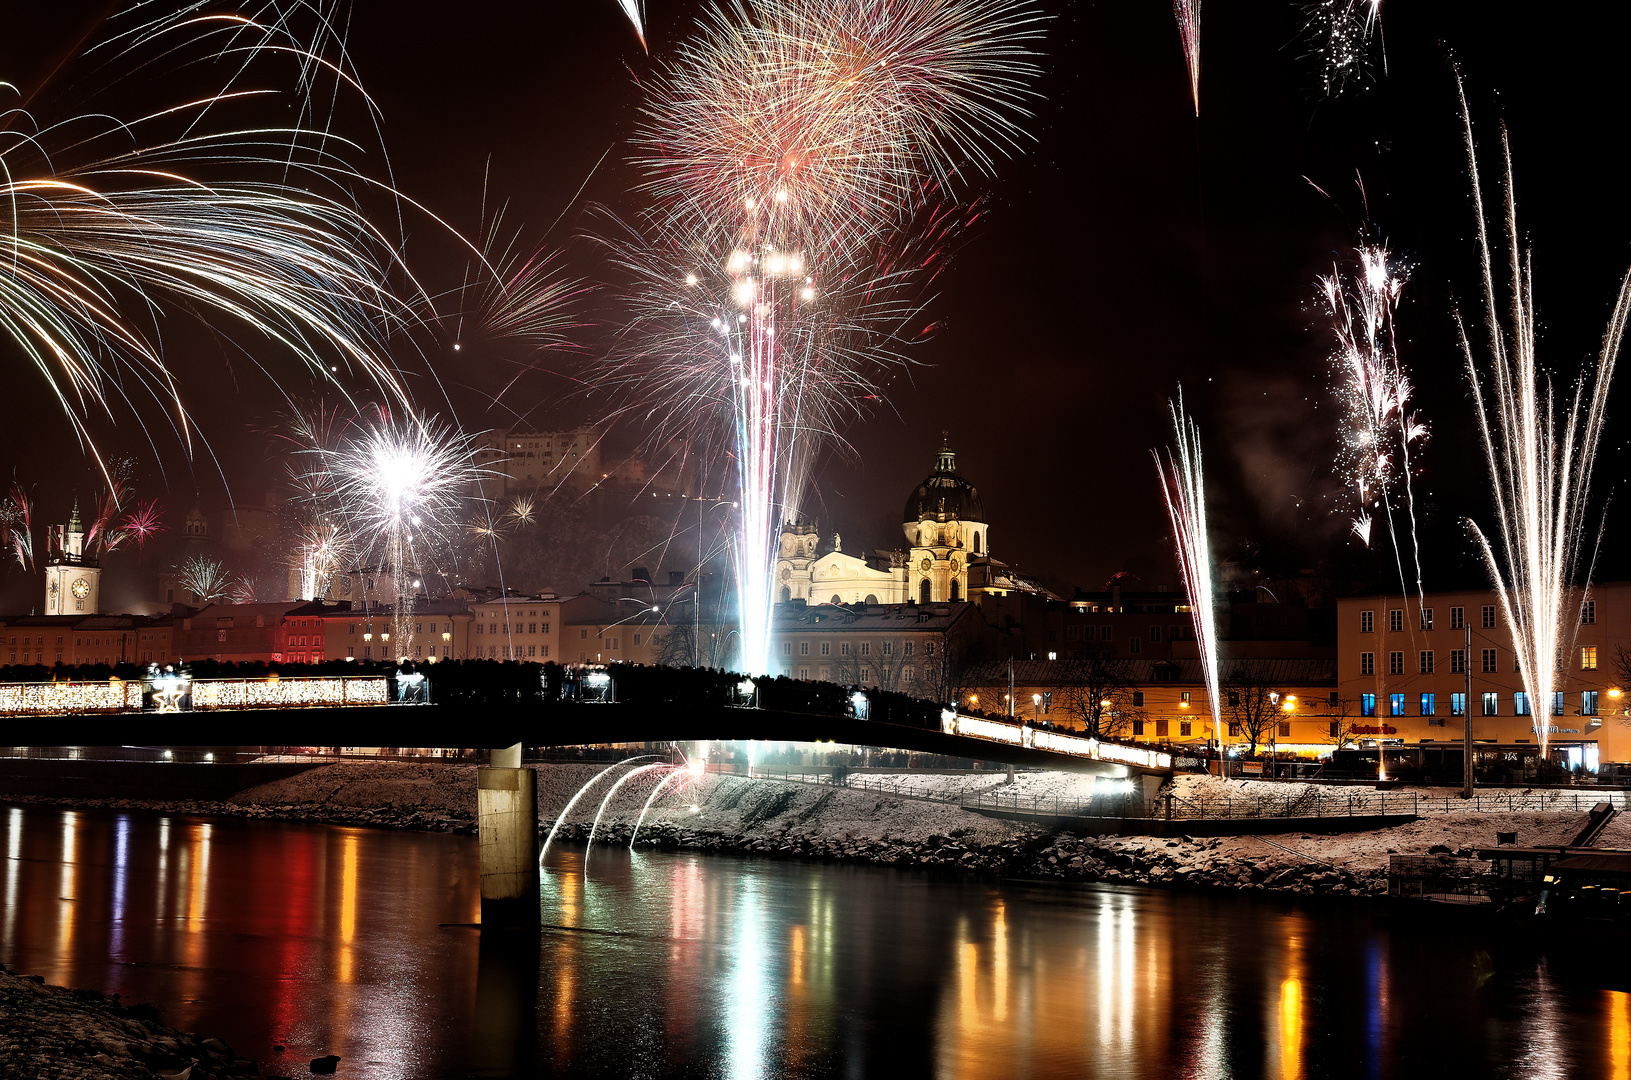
(903, 819)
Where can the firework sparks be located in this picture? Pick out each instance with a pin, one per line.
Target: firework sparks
(1183, 486)
(1379, 431)
(1188, 14)
(17, 526)
(1343, 36)
(637, 17)
(399, 484)
(105, 239)
(206, 579)
(792, 150)
(1540, 461)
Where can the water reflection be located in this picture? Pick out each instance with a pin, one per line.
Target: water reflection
(350, 941)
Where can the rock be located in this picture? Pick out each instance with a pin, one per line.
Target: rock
(1439, 849)
(325, 1066)
(217, 1047)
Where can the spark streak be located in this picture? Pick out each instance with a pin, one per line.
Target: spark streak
(1183, 486)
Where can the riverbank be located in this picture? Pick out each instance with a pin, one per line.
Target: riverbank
(63, 1034)
(902, 820)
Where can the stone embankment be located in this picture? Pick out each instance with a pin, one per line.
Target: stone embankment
(51, 1031)
(808, 820)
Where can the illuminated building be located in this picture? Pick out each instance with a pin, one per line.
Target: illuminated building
(439, 629)
(289, 633)
(1403, 666)
(918, 649)
(73, 577)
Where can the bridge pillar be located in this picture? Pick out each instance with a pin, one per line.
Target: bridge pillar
(507, 832)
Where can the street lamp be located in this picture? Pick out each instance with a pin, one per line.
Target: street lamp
(1036, 708)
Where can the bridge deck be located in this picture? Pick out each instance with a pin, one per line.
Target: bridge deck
(556, 725)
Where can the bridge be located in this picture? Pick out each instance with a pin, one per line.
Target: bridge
(563, 708)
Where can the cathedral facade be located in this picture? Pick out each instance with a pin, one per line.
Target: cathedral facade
(946, 556)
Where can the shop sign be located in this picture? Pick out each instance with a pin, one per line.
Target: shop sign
(1371, 729)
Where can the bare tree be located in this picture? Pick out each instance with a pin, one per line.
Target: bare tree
(1622, 671)
(1097, 693)
(1251, 702)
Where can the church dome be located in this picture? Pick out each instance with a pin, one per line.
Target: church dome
(944, 492)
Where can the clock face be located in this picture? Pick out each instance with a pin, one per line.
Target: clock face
(81, 588)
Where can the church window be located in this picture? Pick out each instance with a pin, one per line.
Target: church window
(976, 542)
(787, 594)
(924, 593)
(956, 591)
(836, 599)
(871, 598)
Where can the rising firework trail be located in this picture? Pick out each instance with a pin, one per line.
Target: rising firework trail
(791, 151)
(1379, 430)
(1540, 459)
(1183, 486)
(1188, 14)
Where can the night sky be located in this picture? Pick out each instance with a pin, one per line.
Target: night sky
(1130, 249)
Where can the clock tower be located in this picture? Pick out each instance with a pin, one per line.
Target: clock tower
(73, 579)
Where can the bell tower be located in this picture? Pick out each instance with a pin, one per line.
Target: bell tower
(73, 578)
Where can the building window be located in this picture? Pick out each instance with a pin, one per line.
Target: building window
(928, 648)
(1520, 704)
(866, 648)
(1395, 663)
(1367, 704)
(1588, 613)
(637, 643)
(826, 648)
(1185, 729)
(1458, 704)
(1458, 661)
(1367, 663)
(1155, 633)
(1489, 666)
(843, 648)
(1132, 644)
(1426, 618)
(1489, 616)
(804, 673)
(1427, 704)
(1184, 697)
(888, 648)
(1588, 703)
(1557, 703)
(1138, 727)
(1234, 698)
(583, 635)
(1426, 661)
(906, 676)
(1105, 632)
(1395, 704)
(1234, 729)
(1138, 699)
(1588, 658)
(1161, 729)
(1336, 729)
(1395, 620)
(804, 648)
(1367, 622)
(1490, 703)
(1285, 729)
(787, 648)
(906, 649)
(1458, 618)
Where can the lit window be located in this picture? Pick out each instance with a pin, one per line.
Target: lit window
(1588, 658)
(1395, 704)
(1427, 704)
(1520, 704)
(1588, 703)
(1491, 700)
(1367, 704)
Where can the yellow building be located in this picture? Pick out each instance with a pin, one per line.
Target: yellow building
(1405, 664)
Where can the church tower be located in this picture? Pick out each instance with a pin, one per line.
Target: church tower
(73, 579)
(945, 524)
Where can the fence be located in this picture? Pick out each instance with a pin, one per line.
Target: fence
(1439, 877)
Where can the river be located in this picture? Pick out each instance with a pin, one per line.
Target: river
(358, 942)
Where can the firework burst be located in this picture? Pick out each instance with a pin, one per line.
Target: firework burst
(1345, 38)
(1379, 430)
(793, 150)
(1540, 459)
(17, 526)
(206, 579)
(109, 224)
(399, 483)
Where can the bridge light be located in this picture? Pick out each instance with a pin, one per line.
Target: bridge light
(948, 716)
(859, 703)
